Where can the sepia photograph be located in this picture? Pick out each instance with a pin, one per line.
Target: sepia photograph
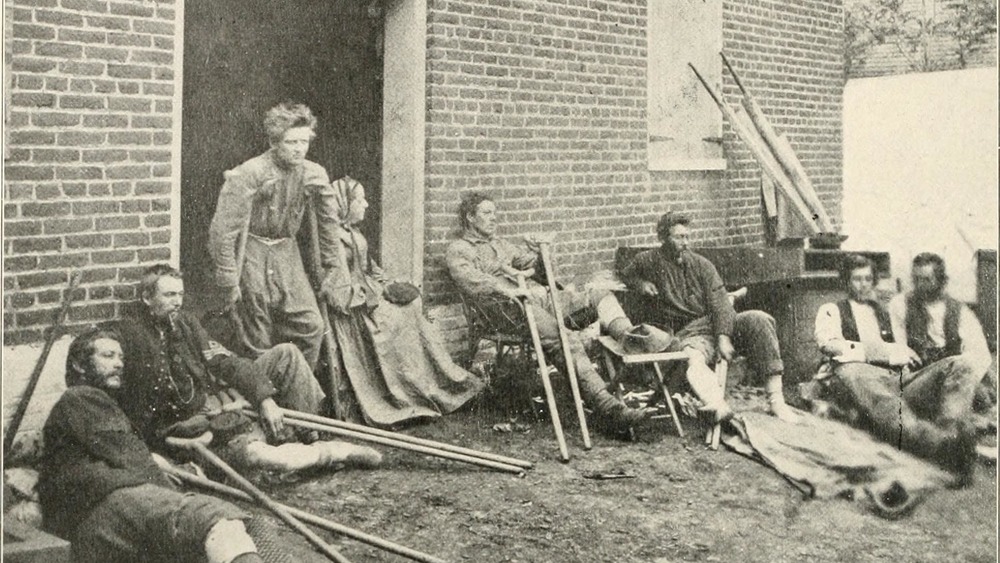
(631, 281)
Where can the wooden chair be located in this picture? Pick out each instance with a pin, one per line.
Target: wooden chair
(498, 321)
(613, 353)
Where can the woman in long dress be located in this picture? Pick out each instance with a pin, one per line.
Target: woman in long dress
(394, 358)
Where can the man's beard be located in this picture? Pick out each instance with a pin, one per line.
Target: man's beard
(928, 295)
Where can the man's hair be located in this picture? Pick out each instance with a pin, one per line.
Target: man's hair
(668, 221)
(147, 284)
(284, 116)
(80, 357)
(853, 262)
(925, 258)
(469, 205)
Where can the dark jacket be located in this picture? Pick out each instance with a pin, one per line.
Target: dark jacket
(170, 370)
(91, 450)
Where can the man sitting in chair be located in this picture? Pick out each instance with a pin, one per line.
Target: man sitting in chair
(688, 297)
(485, 267)
(179, 382)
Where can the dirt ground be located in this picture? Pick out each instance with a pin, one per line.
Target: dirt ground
(685, 503)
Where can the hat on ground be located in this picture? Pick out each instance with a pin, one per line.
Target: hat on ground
(646, 339)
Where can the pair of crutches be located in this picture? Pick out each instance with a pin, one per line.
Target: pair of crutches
(543, 369)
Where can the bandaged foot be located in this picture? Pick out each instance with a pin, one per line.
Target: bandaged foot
(776, 401)
(341, 453)
(228, 541)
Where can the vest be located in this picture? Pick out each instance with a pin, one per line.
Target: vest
(916, 330)
(849, 326)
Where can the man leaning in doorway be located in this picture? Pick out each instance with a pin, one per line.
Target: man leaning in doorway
(267, 198)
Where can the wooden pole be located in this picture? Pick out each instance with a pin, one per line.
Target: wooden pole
(329, 344)
(782, 150)
(574, 382)
(288, 413)
(261, 496)
(308, 518)
(751, 138)
(721, 374)
(36, 373)
(543, 370)
(395, 443)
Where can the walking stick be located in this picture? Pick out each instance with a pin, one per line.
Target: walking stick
(536, 341)
(333, 365)
(259, 496)
(574, 383)
(304, 516)
(338, 424)
(36, 374)
(721, 374)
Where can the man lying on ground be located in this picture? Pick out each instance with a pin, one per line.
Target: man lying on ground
(485, 267)
(920, 402)
(101, 488)
(178, 382)
(689, 298)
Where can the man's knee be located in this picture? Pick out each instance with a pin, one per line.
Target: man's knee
(756, 320)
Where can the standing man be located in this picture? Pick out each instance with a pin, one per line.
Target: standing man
(690, 298)
(485, 267)
(922, 406)
(266, 198)
(102, 489)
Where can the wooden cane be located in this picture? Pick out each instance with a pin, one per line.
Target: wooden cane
(291, 414)
(394, 443)
(543, 369)
(259, 496)
(333, 364)
(574, 382)
(306, 517)
(36, 373)
(721, 374)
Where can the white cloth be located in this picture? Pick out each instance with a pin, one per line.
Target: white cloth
(969, 330)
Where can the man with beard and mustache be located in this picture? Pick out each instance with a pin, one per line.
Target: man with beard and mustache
(102, 489)
(177, 382)
(892, 379)
(687, 295)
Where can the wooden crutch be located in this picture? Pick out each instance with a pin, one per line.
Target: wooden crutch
(721, 374)
(259, 495)
(543, 369)
(574, 383)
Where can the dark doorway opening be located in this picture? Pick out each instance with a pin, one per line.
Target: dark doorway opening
(241, 57)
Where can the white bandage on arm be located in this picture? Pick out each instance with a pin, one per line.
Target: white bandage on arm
(227, 540)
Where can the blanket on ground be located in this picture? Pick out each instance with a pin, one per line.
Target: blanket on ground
(825, 459)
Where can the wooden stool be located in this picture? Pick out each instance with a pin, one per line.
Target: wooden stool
(612, 349)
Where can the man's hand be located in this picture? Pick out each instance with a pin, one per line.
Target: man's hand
(726, 349)
(534, 242)
(515, 293)
(648, 288)
(271, 417)
(234, 296)
(915, 361)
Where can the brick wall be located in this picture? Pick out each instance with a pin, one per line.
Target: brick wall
(90, 162)
(543, 104)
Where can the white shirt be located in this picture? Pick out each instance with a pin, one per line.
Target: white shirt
(870, 348)
(969, 330)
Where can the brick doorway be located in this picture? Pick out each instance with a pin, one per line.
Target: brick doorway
(242, 57)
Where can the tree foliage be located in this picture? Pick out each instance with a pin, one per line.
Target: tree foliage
(962, 26)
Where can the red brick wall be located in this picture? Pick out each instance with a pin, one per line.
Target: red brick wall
(543, 104)
(88, 171)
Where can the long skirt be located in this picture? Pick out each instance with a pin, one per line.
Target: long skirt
(397, 364)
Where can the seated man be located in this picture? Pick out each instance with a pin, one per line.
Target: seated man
(690, 299)
(171, 385)
(101, 489)
(485, 267)
(925, 410)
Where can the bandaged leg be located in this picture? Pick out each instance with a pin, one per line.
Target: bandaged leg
(705, 385)
(612, 317)
(227, 540)
(296, 457)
